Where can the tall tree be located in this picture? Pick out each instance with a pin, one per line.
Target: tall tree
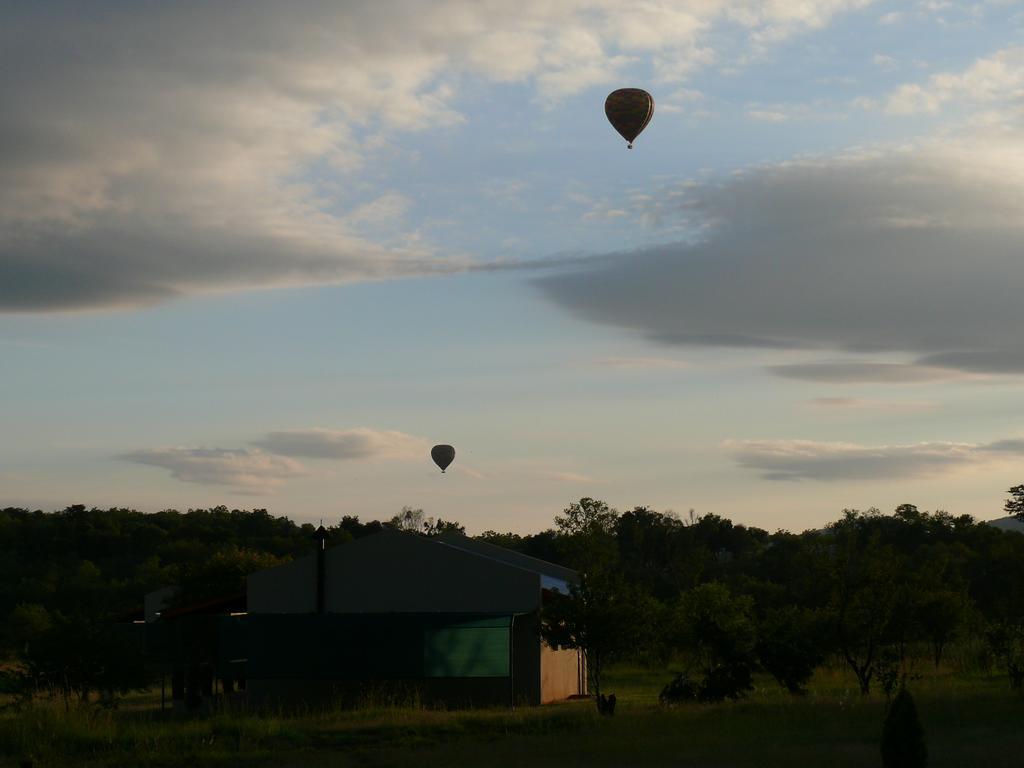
(1015, 504)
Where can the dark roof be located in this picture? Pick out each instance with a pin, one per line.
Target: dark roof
(509, 557)
(214, 605)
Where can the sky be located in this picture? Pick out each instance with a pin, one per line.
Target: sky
(266, 255)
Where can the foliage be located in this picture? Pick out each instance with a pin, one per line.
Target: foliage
(587, 531)
(409, 519)
(791, 644)
(603, 616)
(679, 689)
(903, 744)
(864, 578)
(1015, 504)
(868, 587)
(1006, 640)
(221, 575)
(716, 630)
(415, 521)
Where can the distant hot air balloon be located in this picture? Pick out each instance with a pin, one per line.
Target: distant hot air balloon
(629, 110)
(443, 455)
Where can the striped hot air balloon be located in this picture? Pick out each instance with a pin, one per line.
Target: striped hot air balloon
(629, 110)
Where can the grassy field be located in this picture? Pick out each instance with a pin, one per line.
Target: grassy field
(968, 720)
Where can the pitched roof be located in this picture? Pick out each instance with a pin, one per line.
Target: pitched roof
(509, 557)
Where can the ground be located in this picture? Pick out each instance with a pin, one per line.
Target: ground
(968, 720)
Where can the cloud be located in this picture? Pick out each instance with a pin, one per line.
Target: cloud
(643, 363)
(885, 62)
(855, 403)
(994, 78)
(769, 115)
(359, 443)
(573, 478)
(859, 372)
(246, 470)
(812, 460)
(1007, 446)
(911, 250)
(150, 151)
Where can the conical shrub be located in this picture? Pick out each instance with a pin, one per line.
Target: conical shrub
(902, 736)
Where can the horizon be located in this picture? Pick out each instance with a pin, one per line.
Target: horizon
(1009, 521)
(268, 257)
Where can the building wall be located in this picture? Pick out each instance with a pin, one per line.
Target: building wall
(288, 588)
(561, 674)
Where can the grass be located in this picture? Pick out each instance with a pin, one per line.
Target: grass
(968, 720)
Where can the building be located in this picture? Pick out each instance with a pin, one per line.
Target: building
(449, 621)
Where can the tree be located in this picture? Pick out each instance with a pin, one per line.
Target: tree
(415, 521)
(1015, 505)
(940, 613)
(408, 519)
(716, 630)
(587, 531)
(791, 645)
(1006, 640)
(440, 527)
(603, 617)
(222, 575)
(864, 581)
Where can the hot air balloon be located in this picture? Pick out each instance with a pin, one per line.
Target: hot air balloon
(443, 455)
(629, 110)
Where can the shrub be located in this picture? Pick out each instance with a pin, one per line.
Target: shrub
(680, 688)
(902, 736)
(726, 681)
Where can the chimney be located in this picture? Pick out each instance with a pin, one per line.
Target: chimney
(321, 565)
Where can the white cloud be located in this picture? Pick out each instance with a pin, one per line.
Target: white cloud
(768, 115)
(996, 78)
(812, 460)
(885, 62)
(167, 149)
(245, 470)
(358, 443)
(386, 209)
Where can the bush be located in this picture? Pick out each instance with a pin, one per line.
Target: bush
(902, 736)
(680, 688)
(727, 681)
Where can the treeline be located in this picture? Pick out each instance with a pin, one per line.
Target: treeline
(720, 600)
(879, 592)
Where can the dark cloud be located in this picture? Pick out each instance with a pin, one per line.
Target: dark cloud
(1006, 446)
(862, 372)
(909, 251)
